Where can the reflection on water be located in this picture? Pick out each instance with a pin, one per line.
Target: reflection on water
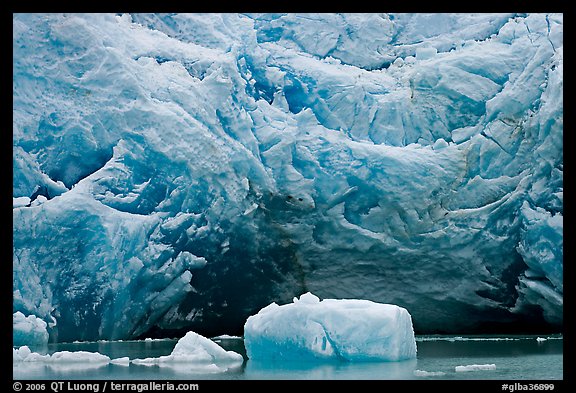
(330, 370)
(514, 357)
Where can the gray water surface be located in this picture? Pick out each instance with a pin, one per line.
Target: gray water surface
(501, 358)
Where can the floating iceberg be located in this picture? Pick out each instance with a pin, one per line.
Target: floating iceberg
(195, 352)
(83, 358)
(28, 330)
(422, 373)
(344, 329)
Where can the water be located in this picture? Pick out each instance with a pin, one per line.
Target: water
(504, 358)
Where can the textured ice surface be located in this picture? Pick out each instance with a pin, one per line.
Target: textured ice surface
(342, 329)
(179, 172)
(28, 330)
(196, 352)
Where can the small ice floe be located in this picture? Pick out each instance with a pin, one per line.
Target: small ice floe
(422, 373)
(62, 361)
(23, 354)
(225, 337)
(475, 367)
(20, 202)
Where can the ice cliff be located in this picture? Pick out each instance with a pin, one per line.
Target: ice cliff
(179, 172)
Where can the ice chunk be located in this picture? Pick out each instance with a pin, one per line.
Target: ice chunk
(123, 361)
(345, 329)
(20, 201)
(196, 352)
(39, 200)
(28, 330)
(226, 337)
(422, 373)
(475, 367)
(78, 356)
(193, 344)
(440, 144)
(19, 354)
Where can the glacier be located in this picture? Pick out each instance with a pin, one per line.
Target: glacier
(177, 172)
(310, 329)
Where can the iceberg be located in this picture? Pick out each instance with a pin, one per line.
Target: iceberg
(61, 361)
(177, 172)
(28, 330)
(196, 352)
(24, 354)
(330, 329)
(422, 373)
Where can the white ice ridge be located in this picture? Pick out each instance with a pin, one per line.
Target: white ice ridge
(475, 367)
(344, 329)
(196, 352)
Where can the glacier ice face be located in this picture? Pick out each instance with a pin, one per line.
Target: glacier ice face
(180, 172)
(331, 329)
